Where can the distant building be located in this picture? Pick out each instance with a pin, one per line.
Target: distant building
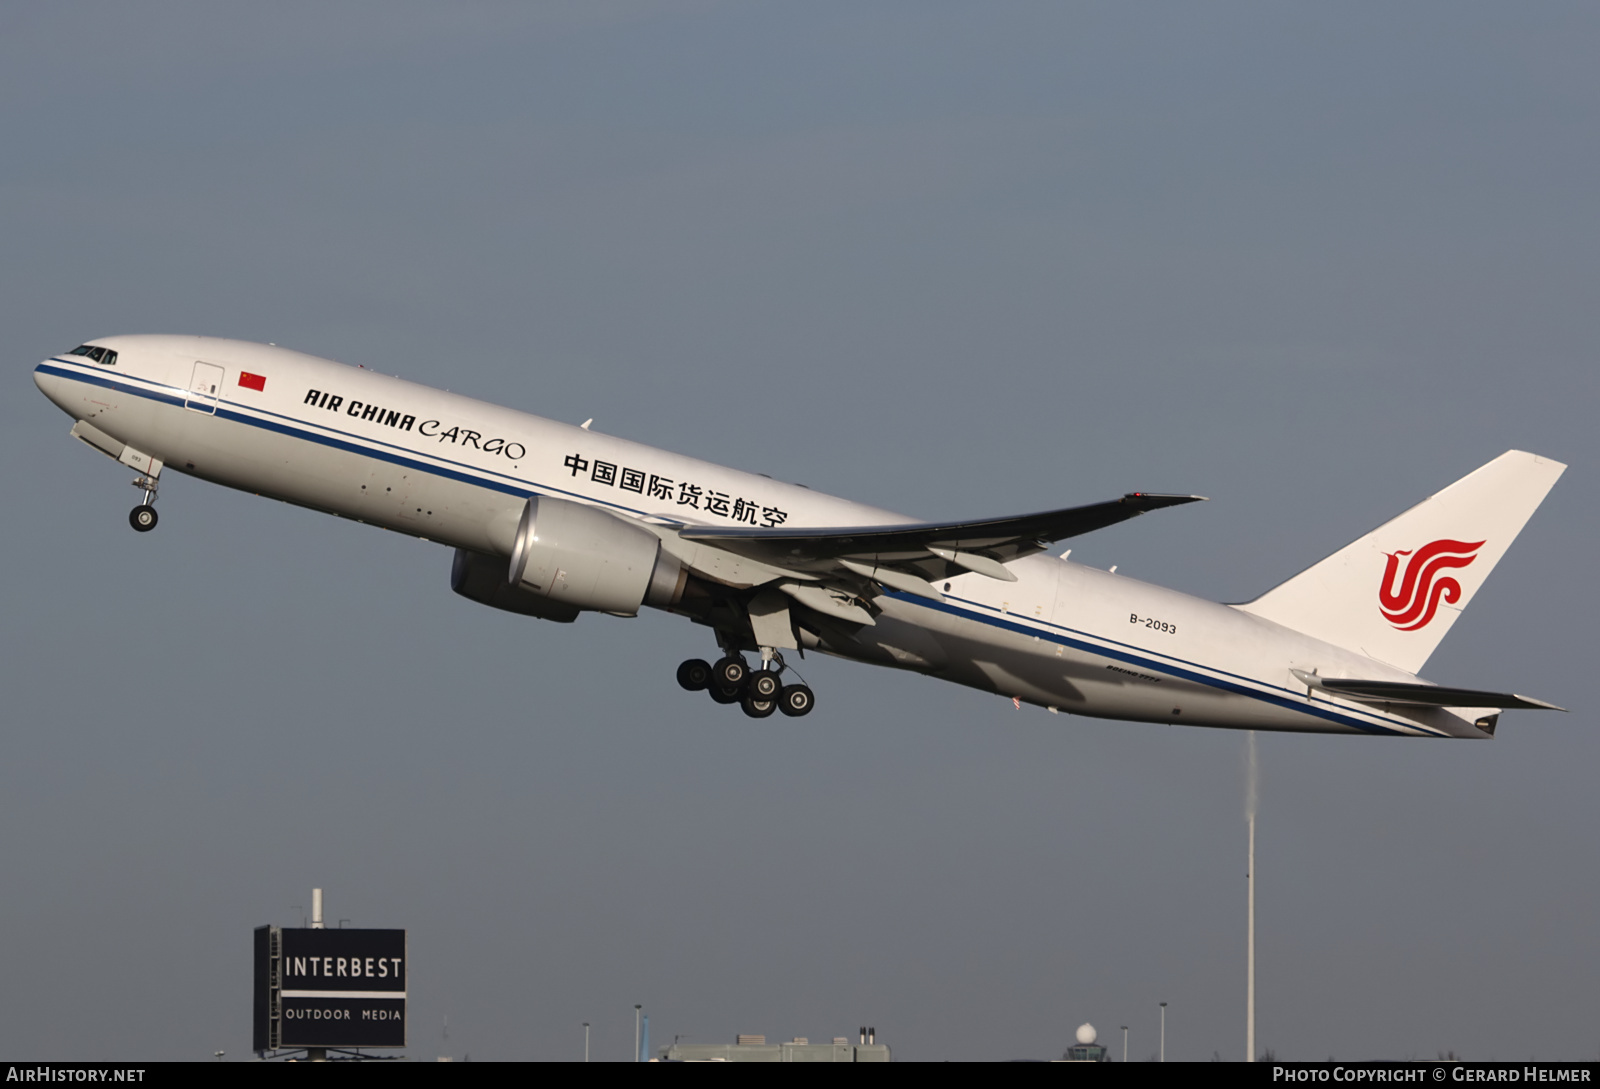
(1086, 1050)
(753, 1048)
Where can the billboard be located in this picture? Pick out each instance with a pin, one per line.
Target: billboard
(329, 988)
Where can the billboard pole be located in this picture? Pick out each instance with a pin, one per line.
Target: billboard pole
(316, 1054)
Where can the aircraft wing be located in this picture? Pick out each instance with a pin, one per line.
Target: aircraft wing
(906, 556)
(1426, 695)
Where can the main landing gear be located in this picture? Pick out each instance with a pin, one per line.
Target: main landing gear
(143, 517)
(758, 693)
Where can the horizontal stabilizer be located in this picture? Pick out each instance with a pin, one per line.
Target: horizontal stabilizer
(1425, 695)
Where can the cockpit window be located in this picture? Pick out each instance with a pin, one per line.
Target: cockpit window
(100, 355)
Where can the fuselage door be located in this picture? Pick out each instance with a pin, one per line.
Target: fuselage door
(204, 388)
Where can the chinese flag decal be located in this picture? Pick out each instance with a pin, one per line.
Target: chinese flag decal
(252, 381)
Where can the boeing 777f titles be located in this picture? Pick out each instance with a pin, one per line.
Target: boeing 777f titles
(551, 520)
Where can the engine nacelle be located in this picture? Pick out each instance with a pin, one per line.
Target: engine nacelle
(584, 558)
(482, 579)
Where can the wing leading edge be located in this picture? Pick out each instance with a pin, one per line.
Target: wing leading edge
(896, 555)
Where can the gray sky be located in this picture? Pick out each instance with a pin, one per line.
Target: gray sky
(1315, 262)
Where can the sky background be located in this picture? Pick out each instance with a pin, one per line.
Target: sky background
(956, 260)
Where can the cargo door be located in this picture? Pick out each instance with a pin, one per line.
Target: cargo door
(204, 387)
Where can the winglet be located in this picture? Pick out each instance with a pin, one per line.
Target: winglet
(1155, 501)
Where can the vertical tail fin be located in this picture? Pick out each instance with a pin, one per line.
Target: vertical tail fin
(1393, 594)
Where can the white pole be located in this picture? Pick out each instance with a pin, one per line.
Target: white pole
(316, 909)
(1163, 1032)
(1250, 956)
(1124, 1043)
(636, 1009)
(1252, 803)
(586, 1041)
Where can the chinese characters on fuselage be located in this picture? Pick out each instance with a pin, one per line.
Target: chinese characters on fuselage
(681, 492)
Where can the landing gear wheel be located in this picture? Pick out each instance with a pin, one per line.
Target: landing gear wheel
(694, 675)
(720, 694)
(796, 700)
(143, 518)
(758, 708)
(730, 672)
(764, 685)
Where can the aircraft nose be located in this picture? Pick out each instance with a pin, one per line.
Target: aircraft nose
(52, 386)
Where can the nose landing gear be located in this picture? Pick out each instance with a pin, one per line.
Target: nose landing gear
(143, 517)
(758, 693)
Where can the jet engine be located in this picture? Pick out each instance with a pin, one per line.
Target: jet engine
(482, 578)
(567, 558)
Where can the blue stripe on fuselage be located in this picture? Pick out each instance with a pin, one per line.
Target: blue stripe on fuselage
(1184, 670)
(351, 442)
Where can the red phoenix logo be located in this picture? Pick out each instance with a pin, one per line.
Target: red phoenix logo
(1411, 603)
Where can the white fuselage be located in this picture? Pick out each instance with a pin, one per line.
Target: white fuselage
(447, 468)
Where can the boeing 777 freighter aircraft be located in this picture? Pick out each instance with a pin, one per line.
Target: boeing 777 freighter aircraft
(551, 520)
